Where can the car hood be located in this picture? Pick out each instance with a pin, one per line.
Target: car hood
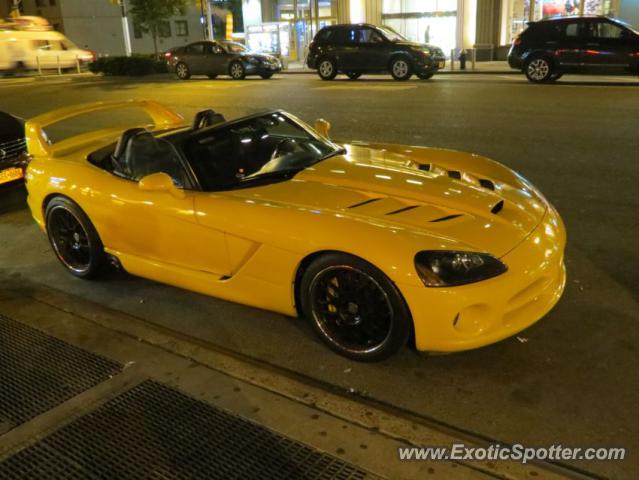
(261, 56)
(420, 46)
(378, 186)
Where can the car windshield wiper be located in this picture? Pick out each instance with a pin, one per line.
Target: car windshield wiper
(287, 173)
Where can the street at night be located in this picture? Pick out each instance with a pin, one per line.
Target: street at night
(570, 379)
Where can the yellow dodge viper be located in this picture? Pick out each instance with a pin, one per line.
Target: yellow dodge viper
(373, 244)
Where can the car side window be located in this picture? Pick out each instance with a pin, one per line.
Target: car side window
(216, 49)
(368, 35)
(195, 49)
(146, 154)
(352, 36)
(606, 30)
(572, 30)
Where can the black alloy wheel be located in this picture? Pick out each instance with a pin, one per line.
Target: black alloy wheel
(74, 238)
(354, 308)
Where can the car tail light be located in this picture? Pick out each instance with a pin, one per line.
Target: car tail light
(168, 54)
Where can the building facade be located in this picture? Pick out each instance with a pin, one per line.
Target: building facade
(449, 24)
(97, 25)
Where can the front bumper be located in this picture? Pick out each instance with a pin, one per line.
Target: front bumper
(433, 64)
(471, 316)
(12, 162)
(253, 69)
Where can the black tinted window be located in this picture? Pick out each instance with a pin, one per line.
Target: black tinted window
(603, 30)
(195, 49)
(368, 35)
(572, 30)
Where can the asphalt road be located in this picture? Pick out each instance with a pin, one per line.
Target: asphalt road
(571, 379)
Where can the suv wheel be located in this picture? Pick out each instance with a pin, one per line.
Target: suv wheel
(326, 69)
(538, 70)
(237, 71)
(401, 69)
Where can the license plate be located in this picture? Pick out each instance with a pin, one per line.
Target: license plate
(10, 175)
(441, 65)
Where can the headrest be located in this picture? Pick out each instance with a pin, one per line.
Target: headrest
(207, 118)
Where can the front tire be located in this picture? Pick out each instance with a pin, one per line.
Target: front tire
(538, 70)
(182, 71)
(237, 71)
(401, 69)
(74, 239)
(425, 75)
(326, 69)
(354, 308)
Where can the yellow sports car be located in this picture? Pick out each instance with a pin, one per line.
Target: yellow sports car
(373, 244)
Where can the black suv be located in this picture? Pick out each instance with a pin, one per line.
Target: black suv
(592, 45)
(361, 48)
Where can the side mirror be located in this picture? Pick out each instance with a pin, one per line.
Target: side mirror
(160, 182)
(322, 127)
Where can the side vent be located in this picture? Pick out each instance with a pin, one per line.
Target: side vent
(499, 206)
(447, 217)
(484, 182)
(456, 174)
(405, 209)
(424, 167)
(365, 202)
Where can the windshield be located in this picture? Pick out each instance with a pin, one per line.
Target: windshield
(233, 47)
(269, 146)
(391, 34)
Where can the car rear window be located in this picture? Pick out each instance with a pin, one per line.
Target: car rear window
(335, 35)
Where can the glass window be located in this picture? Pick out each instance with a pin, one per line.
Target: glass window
(164, 29)
(267, 146)
(572, 30)
(606, 30)
(181, 28)
(368, 35)
(146, 154)
(195, 49)
(233, 47)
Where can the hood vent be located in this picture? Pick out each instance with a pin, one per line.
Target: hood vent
(405, 209)
(365, 202)
(499, 206)
(447, 217)
(456, 174)
(484, 182)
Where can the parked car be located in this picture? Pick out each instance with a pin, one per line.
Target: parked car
(363, 48)
(364, 241)
(220, 58)
(12, 148)
(587, 45)
(44, 49)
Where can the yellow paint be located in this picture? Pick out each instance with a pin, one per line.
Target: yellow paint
(247, 245)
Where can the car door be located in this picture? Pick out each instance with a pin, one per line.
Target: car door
(194, 57)
(159, 226)
(346, 47)
(217, 59)
(373, 52)
(608, 47)
(568, 43)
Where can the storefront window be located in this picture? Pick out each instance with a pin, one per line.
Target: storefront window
(423, 21)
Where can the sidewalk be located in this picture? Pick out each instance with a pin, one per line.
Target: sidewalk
(497, 68)
(87, 389)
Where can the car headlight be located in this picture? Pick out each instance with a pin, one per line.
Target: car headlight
(443, 268)
(423, 51)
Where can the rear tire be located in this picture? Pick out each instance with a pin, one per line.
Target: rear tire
(401, 69)
(538, 70)
(326, 69)
(354, 308)
(353, 75)
(74, 239)
(182, 71)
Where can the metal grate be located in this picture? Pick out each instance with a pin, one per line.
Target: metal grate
(153, 431)
(38, 372)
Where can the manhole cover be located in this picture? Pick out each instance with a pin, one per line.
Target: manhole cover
(38, 372)
(154, 431)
